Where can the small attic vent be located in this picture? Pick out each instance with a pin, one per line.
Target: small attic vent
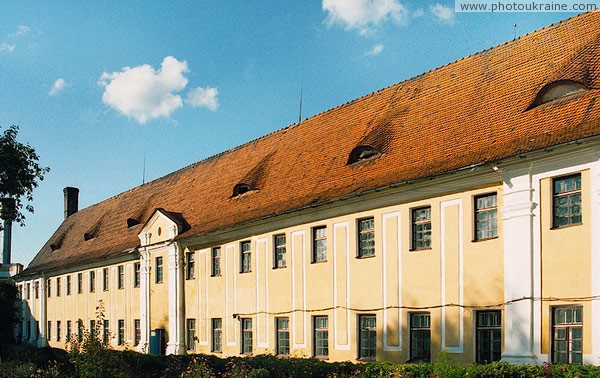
(242, 188)
(88, 236)
(54, 247)
(363, 153)
(132, 222)
(557, 89)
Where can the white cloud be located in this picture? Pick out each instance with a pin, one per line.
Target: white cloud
(9, 43)
(376, 50)
(443, 13)
(10, 47)
(57, 87)
(203, 97)
(143, 93)
(364, 15)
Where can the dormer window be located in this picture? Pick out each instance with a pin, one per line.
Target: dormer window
(556, 90)
(242, 188)
(88, 236)
(363, 153)
(132, 222)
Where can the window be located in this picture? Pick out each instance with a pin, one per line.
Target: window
(366, 237)
(105, 279)
(245, 257)
(121, 332)
(486, 216)
(92, 281)
(367, 338)
(79, 330)
(49, 287)
(159, 270)
(105, 331)
(282, 336)
(120, 277)
(319, 251)
(558, 89)
(58, 286)
(421, 228)
(190, 265)
(363, 153)
(567, 200)
(36, 288)
(320, 336)
(93, 328)
(137, 328)
(488, 336)
(242, 188)
(279, 257)
(216, 262)
(420, 337)
(246, 335)
(567, 335)
(79, 283)
(190, 334)
(68, 334)
(28, 291)
(69, 284)
(49, 335)
(136, 275)
(58, 330)
(216, 335)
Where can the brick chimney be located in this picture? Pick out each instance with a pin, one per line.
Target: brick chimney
(71, 201)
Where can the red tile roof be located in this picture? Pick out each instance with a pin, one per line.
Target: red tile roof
(468, 112)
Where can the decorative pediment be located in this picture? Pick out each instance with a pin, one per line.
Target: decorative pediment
(162, 226)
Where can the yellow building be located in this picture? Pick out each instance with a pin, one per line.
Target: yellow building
(457, 211)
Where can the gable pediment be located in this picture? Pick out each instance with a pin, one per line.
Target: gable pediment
(159, 228)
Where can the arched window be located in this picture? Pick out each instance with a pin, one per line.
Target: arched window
(556, 90)
(241, 188)
(363, 153)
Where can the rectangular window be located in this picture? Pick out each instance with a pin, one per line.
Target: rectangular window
(279, 256)
(105, 331)
(190, 334)
(488, 336)
(486, 216)
(136, 275)
(420, 337)
(137, 327)
(58, 286)
(79, 330)
(69, 284)
(421, 228)
(282, 336)
(120, 277)
(79, 283)
(49, 287)
(121, 332)
(105, 279)
(190, 265)
(28, 291)
(319, 244)
(159, 270)
(216, 335)
(93, 328)
(92, 281)
(49, 335)
(216, 262)
(246, 335)
(567, 335)
(68, 334)
(567, 200)
(245, 257)
(36, 288)
(366, 237)
(58, 330)
(367, 337)
(320, 336)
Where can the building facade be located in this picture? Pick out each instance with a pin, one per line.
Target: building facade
(455, 212)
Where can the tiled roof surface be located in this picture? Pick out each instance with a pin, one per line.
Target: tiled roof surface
(467, 112)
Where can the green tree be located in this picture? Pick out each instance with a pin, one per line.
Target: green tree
(10, 313)
(20, 173)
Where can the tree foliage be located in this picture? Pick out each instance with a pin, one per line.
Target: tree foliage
(20, 173)
(10, 306)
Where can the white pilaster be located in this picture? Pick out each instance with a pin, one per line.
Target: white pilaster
(143, 346)
(518, 267)
(176, 344)
(595, 225)
(41, 341)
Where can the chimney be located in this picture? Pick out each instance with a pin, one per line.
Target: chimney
(6, 214)
(71, 201)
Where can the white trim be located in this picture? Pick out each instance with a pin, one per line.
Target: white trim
(295, 344)
(461, 343)
(337, 346)
(595, 256)
(398, 251)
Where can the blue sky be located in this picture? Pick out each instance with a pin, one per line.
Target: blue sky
(100, 87)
